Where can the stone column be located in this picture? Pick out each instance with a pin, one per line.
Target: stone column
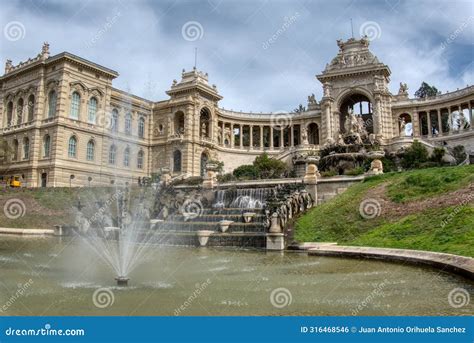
(440, 124)
(450, 119)
(271, 137)
(292, 136)
(282, 133)
(430, 128)
(231, 135)
(471, 116)
(261, 138)
(223, 134)
(251, 136)
(416, 125)
(241, 141)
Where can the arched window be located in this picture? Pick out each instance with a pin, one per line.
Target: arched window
(126, 157)
(26, 148)
(72, 147)
(112, 154)
(15, 150)
(128, 123)
(46, 145)
(92, 110)
(114, 121)
(9, 113)
(52, 98)
(204, 159)
(205, 123)
(179, 123)
(19, 111)
(313, 134)
(140, 159)
(141, 127)
(90, 150)
(177, 161)
(31, 107)
(75, 105)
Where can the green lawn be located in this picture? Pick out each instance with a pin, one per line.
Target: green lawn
(432, 227)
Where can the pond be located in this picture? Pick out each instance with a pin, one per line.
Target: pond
(62, 276)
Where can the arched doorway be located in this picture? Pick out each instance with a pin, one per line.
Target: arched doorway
(405, 125)
(359, 107)
(204, 160)
(313, 134)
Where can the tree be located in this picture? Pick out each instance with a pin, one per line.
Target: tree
(426, 90)
(269, 168)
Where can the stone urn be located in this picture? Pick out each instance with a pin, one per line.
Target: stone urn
(224, 225)
(203, 236)
(274, 224)
(248, 216)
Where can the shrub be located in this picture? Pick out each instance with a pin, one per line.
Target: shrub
(226, 177)
(269, 168)
(414, 156)
(328, 173)
(459, 154)
(246, 171)
(354, 171)
(437, 155)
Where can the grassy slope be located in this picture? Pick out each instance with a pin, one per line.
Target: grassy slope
(339, 220)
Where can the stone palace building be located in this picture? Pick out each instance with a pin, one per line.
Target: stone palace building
(63, 123)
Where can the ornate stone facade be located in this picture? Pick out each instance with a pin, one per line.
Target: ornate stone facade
(63, 123)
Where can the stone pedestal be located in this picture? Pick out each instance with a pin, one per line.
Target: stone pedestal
(210, 179)
(275, 226)
(275, 241)
(203, 236)
(311, 180)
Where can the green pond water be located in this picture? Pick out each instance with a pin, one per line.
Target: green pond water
(58, 276)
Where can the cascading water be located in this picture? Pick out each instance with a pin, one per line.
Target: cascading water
(242, 198)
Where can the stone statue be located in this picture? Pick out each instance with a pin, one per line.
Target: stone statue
(204, 130)
(376, 167)
(304, 135)
(45, 51)
(327, 89)
(8, 66)
(403, 90)
(340, 140)
(312, 100)
(402, 126)
(461, 120)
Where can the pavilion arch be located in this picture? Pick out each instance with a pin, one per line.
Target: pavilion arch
(205, 123)
(313, 133)
(405, 125)
(178, 123)
(361, 102)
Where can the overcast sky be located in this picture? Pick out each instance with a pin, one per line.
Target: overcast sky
(149, 42)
